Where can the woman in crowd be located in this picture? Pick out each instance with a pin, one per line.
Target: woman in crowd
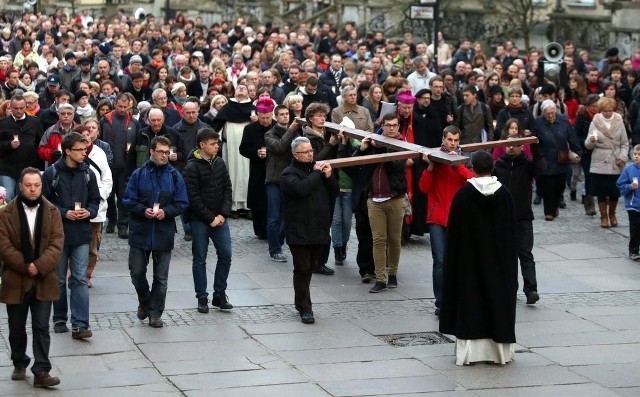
(607, 139)
(373, 103)
(217, 102)
(294, 104)
(581, 128)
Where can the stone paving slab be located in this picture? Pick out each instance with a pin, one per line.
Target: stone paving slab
(573, 339)
(370, 387)
(612, 375)
(225, 380)
(482, 376)
(581, 390)
(102, 342)
(376, 369)
(342, 355)
(317, 340)
(592, 355)
(291, 390)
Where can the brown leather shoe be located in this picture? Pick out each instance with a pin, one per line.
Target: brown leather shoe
(43, 379)
(19, 374)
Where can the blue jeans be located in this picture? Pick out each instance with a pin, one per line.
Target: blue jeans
(221, 238)
(342, 216)
(9, 184)
(75, 258)
(275, 225)
(155, 298)
(437, 237)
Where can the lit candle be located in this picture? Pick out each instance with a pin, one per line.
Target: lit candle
(59, 147)
(156, 208)
(15, 138)
(78, 205)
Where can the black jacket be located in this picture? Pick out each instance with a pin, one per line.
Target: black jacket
(308, 199)
(13, 161)
(395, 172)
(252, 140)
(523, 115)
(208, 187)
(516, 175)
(139, 154)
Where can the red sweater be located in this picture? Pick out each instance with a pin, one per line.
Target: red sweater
(441, 185)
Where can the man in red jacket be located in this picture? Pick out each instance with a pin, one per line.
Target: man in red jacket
(441, 182)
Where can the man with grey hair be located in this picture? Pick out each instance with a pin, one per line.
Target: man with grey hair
(308, 188)
(160, 99)
(421, 76)
(49, 149)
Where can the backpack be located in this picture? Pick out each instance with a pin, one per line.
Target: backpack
(56, 177)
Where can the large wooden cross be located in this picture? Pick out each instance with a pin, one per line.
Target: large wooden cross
(406, 150)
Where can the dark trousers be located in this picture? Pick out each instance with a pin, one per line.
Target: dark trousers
(553, 188)
(364, 257)
(527, 264)
(259, 219)
(305, 258)
(119, 176)
(17, 318)
(152, 299)
(634, 231)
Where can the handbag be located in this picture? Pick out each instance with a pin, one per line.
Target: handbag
(563, 157)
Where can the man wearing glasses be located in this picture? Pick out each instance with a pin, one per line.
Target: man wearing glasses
(50, 149)
(73, 188)
(386, 187)
(155, 196)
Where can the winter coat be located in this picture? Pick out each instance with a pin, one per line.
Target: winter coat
(14, 274)
(631, 197)
(148, 185)
(13, 161)
(208, 186)
(612, 145)
(554, 137)
(278, 142)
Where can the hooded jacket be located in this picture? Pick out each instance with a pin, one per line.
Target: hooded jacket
(208, 187)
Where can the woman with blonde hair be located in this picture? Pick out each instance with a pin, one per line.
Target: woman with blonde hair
(294, 103)
(373, 103)
(32, 106)
(607, 140)
(217, 102)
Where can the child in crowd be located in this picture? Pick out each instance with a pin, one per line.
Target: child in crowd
(513, 129)
(628, 185)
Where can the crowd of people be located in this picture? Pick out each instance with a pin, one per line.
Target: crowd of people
(136, 123)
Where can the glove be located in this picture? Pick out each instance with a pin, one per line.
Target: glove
(55, 156)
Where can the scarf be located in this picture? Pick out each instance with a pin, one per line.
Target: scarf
(181, 100)
(458, 150)
(27, 88)
(85, 111)
(30, 248)
(409, 137)
(601, 125)
(236, 71)
(33, 112)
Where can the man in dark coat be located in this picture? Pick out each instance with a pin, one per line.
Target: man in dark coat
(308, 189)
(254, 148)
(481, 269)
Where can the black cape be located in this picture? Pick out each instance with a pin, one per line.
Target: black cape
(480, 267)
(252, 140)
(234, 112)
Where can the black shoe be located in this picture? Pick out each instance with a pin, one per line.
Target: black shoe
(634, 256)
(187, 237)
(537, 200)
(111, 227)
(573, 195)
(392, 282)
(123, 232)
(437, 312)
(322, 269)
(378, 286)
(234, 215)
(343, 251)
(562, 203)
(307, 318)
(81, 333)
(142, 312)
(156, 322)
(43, 379)
(337, 253)
(203, 307)
(367, 278)
(60, 327)
(221, 301)
(532, 297)
(19, 374)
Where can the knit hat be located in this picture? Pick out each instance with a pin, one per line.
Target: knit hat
(612, 52)
(406, 97)
(79, 94)
(264, 105)
(547, 89)
(134, 59)
(177, 87)
(496, 89)
(105, 48)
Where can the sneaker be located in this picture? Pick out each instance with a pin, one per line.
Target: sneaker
(307, 318)
(60, 327)
(367, 278)
(43, 379)
(392, 282)
(81, 333)
(324, 270)
(635, 257)
(279, 257)
(123, 232)
(19, 374)
(187, 237)
(378, 286)
(155, 322)
(203, 307)
(532, 297)
(142, 312)
(221, 301)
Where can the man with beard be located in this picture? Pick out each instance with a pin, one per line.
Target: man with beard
(230, 121)
(254, 148)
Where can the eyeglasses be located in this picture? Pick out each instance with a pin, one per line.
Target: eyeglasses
(424, 97)
(391, 125)
(306, 152)
(79, 149)
(163, 152)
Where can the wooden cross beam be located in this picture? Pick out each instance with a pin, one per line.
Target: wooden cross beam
(406, 150)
